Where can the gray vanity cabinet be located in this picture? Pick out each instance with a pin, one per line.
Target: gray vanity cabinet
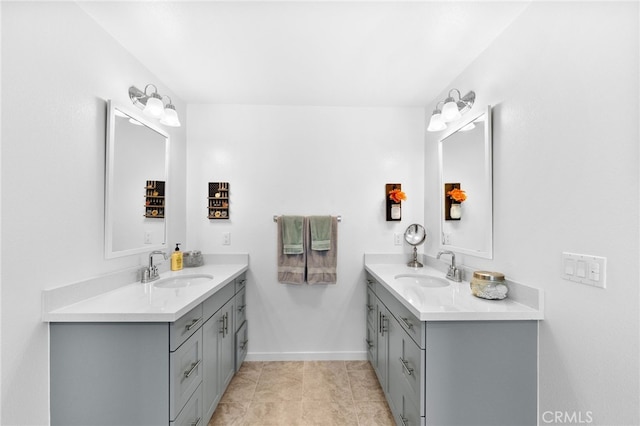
(146, 373)
(452, 372)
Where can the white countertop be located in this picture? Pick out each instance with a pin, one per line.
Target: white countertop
(139, 302)
(455, 302)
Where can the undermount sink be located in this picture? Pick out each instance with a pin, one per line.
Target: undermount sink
(422, 280)
(181, 281)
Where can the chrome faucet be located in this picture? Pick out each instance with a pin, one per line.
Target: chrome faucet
(453, 273)
(151, 273)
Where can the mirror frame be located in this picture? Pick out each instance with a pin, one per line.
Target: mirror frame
(109, 253)
(487, 252)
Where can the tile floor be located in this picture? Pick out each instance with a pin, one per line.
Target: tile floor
(301, 393)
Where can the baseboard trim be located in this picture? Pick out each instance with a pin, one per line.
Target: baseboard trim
(306, 356)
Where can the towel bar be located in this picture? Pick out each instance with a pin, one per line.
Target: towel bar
(275, 218)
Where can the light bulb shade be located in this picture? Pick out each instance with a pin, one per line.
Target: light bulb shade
(450, 110)
(436, 124)
(154, 107)
(170, 117)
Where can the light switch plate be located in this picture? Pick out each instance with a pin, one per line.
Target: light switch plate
(584, 269)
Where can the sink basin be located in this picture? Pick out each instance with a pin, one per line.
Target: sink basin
(181, 281)
(422, 280)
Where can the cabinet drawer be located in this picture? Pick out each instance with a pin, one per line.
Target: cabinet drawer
(371, 308)
(240, 312)
(191, 414)
(409, 322)
(240, 282)
(405, 410)
(371, 342)
(410, 363)
(215, 302)
(185, 372)
(242, 344)
(371, 283)
(184, 327)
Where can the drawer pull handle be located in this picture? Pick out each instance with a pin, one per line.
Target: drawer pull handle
(404, 420)
(197, 422)
(406, 368)
(242, 282)
(370, 308)
(193, 324)
(243, 345)
(406, 323)
(383, 319)
(192, 369)
(226, 323)
(241, 308)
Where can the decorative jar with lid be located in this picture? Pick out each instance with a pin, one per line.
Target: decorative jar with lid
(488, 285)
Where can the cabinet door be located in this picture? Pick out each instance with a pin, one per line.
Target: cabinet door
(211, 335)
(382, 364)
(226, 347)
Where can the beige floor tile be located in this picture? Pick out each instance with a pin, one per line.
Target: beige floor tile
(231, 414)
(281, 372)
(250, 370)
(240, 390)
(324, 366)
(358, 365)
(326, 385)
(365, 386)
(326, 413)
(279, 413)
(283, 389)
(295, 366)
(373, 413)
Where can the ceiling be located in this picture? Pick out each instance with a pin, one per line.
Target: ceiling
(322, 53)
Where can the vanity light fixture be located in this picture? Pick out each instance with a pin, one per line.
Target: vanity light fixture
(436, 123)
(170, 117)
(152, 106)
(451, 110)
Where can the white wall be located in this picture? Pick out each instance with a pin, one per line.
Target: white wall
(58, 70)
(566, 179)
(304, 160)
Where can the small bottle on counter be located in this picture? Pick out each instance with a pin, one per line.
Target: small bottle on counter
(488, 285)
(176, 259)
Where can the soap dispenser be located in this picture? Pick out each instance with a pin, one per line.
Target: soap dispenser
(176, 259)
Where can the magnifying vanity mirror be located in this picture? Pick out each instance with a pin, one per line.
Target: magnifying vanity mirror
(415, 235)
(466, 187)
(136, 172)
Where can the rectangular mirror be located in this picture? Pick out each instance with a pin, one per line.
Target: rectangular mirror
(136, 171)
(465, 154)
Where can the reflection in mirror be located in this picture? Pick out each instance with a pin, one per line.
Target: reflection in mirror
(466, 188)
(137, 155)
(415, 235)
